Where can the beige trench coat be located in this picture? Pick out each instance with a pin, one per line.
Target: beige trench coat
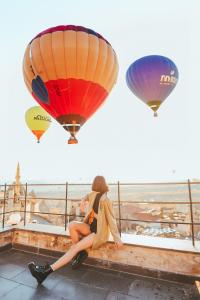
(106, 222)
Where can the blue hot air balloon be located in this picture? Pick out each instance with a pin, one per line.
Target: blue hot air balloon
(152, 78)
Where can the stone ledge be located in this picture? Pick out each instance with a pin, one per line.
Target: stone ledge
(128, 239)
(142, 260)
(140, 271)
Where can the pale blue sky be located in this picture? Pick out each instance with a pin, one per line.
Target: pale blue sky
(137, 146)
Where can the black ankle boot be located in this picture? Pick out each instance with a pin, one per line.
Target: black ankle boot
(40, 272)
(79, 259)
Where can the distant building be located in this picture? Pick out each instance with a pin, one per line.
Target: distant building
(15, 196)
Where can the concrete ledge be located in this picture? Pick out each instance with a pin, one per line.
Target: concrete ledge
(6, 238)
(129, 239)
(161, 242)
(140, 271)
(41, 251)
(168, 264)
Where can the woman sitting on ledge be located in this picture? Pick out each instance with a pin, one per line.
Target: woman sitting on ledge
(91, 233)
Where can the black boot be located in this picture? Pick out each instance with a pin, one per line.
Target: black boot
(40, 272)
(79, 259)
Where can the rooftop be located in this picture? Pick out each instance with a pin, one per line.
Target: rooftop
(85, 283)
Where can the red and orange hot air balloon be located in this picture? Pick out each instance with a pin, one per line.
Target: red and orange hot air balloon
(70, 71)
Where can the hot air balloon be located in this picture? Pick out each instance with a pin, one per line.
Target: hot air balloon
(70, 71)
(152, 78)
(37, 120)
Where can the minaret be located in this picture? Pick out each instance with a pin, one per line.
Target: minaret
(17, 176)
(17, 184)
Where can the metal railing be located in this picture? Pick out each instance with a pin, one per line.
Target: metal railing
(118, 202)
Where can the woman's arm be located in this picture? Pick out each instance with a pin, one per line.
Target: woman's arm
(111, 221)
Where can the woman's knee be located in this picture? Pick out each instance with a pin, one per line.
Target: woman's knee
(72, 225)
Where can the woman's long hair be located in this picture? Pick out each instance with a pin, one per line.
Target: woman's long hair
(99, 185)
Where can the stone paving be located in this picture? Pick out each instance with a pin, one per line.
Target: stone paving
(86, 283)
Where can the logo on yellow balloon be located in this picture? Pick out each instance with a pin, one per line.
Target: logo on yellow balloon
(42, 118)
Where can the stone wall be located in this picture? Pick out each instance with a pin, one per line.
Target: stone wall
(163, 260)
(38, 241)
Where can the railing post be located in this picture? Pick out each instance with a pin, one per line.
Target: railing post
(66, 196)
(119, 207)
(191, 213)
(25, 197)
(4, 204)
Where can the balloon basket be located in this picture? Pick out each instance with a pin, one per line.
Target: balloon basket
(72, 141)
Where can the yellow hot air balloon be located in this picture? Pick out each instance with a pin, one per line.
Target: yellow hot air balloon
(37, 120)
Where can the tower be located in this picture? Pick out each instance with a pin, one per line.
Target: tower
(17, 185)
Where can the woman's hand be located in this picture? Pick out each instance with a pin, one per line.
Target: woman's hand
(119, 245)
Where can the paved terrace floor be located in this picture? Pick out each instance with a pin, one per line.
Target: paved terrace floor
(86, 283)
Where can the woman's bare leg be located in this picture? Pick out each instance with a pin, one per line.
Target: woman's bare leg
(77, 229)
(85, 243)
